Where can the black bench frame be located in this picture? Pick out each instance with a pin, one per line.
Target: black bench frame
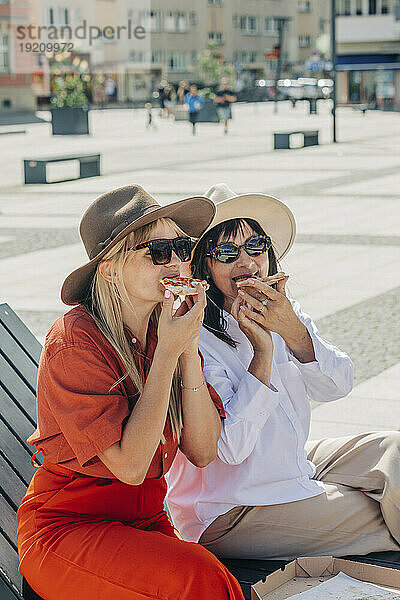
(35, 168)
(19, 358)
(282, 139)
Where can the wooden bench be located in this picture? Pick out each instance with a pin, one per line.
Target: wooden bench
(19, 358)
(35, 169)
(282, 139)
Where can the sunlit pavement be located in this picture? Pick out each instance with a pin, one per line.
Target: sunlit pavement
(344, 267)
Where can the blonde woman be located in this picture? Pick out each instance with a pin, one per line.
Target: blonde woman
(120, 388)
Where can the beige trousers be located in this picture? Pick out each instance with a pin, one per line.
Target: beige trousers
(358, 513)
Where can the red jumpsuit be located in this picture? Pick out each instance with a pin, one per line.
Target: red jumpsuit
(82, 533)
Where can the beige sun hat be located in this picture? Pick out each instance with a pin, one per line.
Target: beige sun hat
(274, 216)
(115, 214)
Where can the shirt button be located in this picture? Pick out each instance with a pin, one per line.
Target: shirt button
(165, 455)
(133, 340)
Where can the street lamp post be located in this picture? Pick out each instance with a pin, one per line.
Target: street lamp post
(333, 60)
(281, 22)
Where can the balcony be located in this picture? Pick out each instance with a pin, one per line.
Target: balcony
(367, 28)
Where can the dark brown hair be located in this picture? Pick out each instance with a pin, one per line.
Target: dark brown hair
(213, 316)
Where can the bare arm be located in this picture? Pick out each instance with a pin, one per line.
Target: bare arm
(127, 459)
(130, 458)
(201, 422)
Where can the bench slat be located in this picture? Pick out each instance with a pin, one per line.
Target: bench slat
(8, 522)
(60, 158)
(9, 564)
(19, 360)
(6, 593)
(18, 390)
(15, 419)
(11, 484)
(16, 454)
(20, 332)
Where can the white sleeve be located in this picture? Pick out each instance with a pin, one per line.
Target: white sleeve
(247, 409)
(330, 376)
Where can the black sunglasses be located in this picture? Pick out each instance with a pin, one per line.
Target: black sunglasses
(161, 250)
(229, 252)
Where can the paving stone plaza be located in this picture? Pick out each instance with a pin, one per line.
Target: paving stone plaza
(344, 267)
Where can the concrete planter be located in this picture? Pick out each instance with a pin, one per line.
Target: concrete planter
(71, 120)
(181, 112)
(208, 113)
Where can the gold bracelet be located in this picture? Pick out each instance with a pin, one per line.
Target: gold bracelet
(192, 389)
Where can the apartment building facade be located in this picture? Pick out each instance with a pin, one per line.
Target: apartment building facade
(16, 66)
(368, 36)
(246, 34)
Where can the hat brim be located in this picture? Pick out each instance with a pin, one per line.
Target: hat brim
(275, 218)
(193, 215)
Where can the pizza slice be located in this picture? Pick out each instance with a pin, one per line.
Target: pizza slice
(270, 280)
(183, 286)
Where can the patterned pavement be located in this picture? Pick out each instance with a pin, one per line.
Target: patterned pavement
(346, 259)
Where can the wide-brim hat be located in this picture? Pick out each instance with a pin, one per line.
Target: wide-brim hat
(274, 216)
(115, 214)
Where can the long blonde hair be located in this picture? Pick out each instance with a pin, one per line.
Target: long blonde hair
(104, 304)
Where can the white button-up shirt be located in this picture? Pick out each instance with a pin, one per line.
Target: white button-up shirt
(261, 457)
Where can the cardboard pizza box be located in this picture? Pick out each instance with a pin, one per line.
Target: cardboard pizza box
(307, 572)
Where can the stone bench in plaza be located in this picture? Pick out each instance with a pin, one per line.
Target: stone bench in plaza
(282, 139)
(35, 169)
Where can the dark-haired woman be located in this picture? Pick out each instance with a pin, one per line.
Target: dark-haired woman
(270, 493)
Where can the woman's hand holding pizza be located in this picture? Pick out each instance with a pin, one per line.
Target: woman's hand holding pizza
(270, 308)
(179, 330)
(259, 337)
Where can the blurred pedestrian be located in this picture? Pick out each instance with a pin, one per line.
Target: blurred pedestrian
(223, 99)
(182, 91)
(149, 116)
(195, 104)
(111, 89)
(162, 95)
(170, 99)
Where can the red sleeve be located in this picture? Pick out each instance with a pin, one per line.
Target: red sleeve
(76, 384)
(213, 395)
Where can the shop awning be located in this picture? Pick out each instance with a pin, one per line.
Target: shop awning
(367, 62)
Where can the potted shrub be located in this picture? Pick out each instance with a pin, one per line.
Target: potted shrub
(69, 106)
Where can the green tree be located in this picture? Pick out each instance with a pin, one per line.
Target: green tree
(212, 68)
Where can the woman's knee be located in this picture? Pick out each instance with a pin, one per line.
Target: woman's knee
(391, 441)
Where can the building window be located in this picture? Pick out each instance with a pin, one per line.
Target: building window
(246, 57)
(322, 25)
(359, 8)
(215, 36)
(270, 26)
(193, 18)
(347, 7)
(139, 56)
(176, 22)
(215, 2)
(249, 24)
(57, 17)
(177, 61)
(49, 16)
(156, 56)
(372, 7)
(150, 20)
(304, 6)
(385, 7)
(4, 54)
(193, 58)
(304, 41)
